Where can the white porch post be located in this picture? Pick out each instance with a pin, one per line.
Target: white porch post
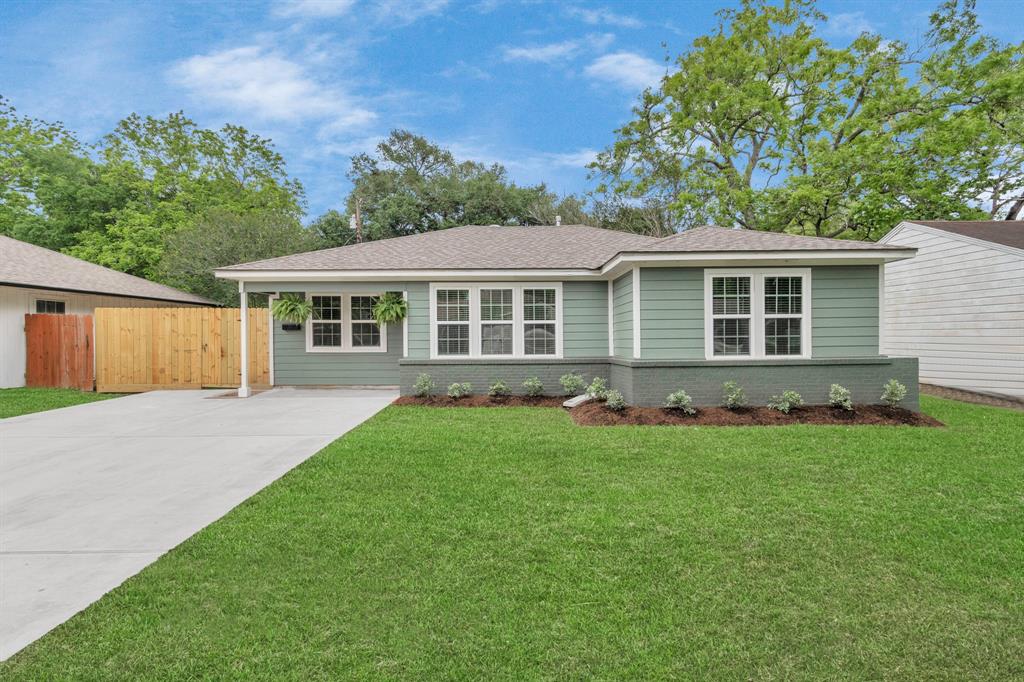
(243, 388)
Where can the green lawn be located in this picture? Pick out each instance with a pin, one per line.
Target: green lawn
(509, 543)
(18, 401)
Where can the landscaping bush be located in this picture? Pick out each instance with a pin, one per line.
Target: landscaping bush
(533, 387)
(457, 390)
(614, 401)
(680, 400)
(786, 402)
(572, 384)
(598, 389)
(499, 389)
(424, 386)
(733, 396)
(893, 393)
(840, 397)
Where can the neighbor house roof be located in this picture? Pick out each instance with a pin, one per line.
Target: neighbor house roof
(28, 265)
(1005, 232)
(543, 247)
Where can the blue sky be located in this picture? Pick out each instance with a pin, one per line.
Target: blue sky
(537, 86)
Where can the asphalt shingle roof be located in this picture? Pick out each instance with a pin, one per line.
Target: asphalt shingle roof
(26, 264)
(1005, 232)
(493, 247)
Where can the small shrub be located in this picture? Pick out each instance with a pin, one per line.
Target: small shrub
(598, 389)
(614, 401)
(533, 387)
(733, 396)
(893, 393)
(572, 384)
(457, 390)
(424, 386)
(499, 389)
(786, 402)
(680, 400)
(840, 397)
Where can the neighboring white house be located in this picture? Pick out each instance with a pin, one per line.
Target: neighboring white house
(959, 306)
(37, 280)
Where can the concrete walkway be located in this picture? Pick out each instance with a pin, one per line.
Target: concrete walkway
(91, 494)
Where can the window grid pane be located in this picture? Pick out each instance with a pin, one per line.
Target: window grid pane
(732, 336)
(730, 295)
(539, 339)
(452, 305)
(538, 305)
(496, 305)
(326, 307)
(362, 307)
(782, 336)
(326, 334)
(453, 339)
(365, 335)
(496, 339)
(783, 295)
(50, 307)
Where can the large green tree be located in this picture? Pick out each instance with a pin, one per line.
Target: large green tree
(766, 125)
(224, 237)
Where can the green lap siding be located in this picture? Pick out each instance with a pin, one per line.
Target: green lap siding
(293, 366)
(419, 319)
(672, 313)
(844, 311)
(585, 319)
(622, 315)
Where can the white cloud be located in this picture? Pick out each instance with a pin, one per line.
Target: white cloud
(402, 12)
(848, 25)
(603, 16)
(252, 80)
(463, 69)
(553, 52)
(626, 69)
(312, 8)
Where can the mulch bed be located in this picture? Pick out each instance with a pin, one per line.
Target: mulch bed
(596, 414)
(481, 401)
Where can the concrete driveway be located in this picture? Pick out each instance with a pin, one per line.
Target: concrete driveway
(91, 494)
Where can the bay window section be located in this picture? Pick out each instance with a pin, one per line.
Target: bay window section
(452, 309)
(757, 313)
(539, 309)
(326, 322)
(496, 322)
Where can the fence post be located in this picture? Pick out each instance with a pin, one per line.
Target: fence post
(243, 389)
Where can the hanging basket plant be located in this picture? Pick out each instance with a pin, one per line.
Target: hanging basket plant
(390, 307)
(291, 309)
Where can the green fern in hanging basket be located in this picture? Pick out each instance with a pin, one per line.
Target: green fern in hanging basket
(291, 308)
(390, 307)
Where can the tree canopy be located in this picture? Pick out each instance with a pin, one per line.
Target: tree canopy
(765, 125)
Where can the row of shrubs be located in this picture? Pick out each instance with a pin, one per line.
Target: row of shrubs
(733, 395)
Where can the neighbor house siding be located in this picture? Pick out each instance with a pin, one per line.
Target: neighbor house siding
(959, 307)
(622, 315)
(672, 313)
(844, 311)
(585, 319)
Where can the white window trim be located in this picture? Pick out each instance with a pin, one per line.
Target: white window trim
(55, 299)
(757, 316)
(346, 326)
(475, 321)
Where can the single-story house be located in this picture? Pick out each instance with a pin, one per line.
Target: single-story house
(38, 280)
(650, 315)
(959, 306)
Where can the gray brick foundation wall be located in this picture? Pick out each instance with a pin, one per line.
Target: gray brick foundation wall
(646, 383)
(483, 373)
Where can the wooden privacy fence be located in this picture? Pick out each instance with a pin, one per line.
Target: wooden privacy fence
(142, 349)
(59, 351)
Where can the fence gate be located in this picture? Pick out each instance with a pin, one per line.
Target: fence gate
(59, 351)
(141, 349)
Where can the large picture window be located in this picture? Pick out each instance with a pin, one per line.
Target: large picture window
(344, 322)
(757, 313)
(496, 320)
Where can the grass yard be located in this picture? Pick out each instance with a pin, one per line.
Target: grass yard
(509, 543)
(18, 401)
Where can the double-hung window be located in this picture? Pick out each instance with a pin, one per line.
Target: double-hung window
(758, 313)
(344, 323)
(496, 320)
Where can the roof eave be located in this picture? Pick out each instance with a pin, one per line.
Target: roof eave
(627, 260)
(411, 275)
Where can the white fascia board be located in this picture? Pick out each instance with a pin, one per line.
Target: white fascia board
(950, 235)
(624, 262)
(406, 275)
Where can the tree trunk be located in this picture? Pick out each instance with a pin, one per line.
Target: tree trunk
(1015, 209)
(359, 220)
